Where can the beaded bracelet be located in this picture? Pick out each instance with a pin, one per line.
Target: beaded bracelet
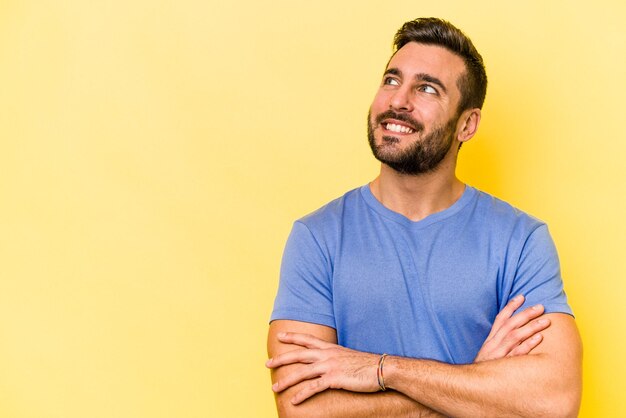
(381, 377)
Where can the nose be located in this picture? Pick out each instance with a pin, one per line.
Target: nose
(401, 100)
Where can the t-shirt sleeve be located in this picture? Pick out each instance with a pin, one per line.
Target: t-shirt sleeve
(538, 275)
(305, 290)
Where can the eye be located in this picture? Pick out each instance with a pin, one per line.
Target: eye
(427, 89)
(390, 81)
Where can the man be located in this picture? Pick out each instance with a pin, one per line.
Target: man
(398, 299)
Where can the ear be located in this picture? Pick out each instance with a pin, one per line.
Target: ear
(468, 124)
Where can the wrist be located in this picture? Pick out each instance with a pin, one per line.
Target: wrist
(392, 372)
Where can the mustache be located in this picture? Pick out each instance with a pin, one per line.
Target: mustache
(402, 117)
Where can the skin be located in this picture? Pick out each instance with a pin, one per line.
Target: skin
(524, 368)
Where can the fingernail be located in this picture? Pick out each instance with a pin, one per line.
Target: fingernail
(542, 321)
(537, 307)
(275, 386)
(268, 362)
(518, 298)
(536, 337)
(282, 334)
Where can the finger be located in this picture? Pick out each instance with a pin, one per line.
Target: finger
(518, 320)
(518, 336)
(527, 346)
(300, 375)
(505, 314)
(296, 356)
(305, 340)
(528, 331)
(311, 388)
(502, 346)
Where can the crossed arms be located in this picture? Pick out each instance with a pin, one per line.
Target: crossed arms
(530, 365)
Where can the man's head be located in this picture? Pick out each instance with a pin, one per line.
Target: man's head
(433, 31)
(430, 96)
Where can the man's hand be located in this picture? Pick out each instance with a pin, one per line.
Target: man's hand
(513, 335)
(328, 366)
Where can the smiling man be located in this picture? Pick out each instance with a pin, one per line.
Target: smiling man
(418, 295)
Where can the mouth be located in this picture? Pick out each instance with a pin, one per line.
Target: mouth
(397, 127)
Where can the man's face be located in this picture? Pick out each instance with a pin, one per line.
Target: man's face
(412, 121)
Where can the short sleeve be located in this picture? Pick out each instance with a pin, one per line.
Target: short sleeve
(305, 289)
(538, 274)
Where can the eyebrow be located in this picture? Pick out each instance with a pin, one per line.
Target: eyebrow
(419, 77)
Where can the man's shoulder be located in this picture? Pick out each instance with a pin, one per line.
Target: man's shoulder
(332, 212)
(499, 212)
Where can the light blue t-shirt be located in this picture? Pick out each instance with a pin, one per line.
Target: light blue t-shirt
(428, 289)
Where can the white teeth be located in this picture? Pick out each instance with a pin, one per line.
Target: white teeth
(399, 128)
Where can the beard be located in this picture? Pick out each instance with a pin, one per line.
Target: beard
(422, 156)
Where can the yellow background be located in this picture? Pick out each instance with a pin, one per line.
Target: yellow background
(153, 155)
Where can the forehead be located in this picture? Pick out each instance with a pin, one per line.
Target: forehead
(414, 58)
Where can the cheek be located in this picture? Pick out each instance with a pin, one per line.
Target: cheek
(431, 112)
(380, 102)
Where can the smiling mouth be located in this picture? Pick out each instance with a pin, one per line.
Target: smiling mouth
(399, 129)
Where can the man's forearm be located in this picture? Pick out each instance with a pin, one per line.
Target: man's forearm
(546, 382)
(333, 403)
(302, 370)
(485, 389)
(541, 384)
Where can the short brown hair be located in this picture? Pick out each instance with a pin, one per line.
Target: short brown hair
(434, 31)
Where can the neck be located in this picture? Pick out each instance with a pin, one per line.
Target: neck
(417, 196)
